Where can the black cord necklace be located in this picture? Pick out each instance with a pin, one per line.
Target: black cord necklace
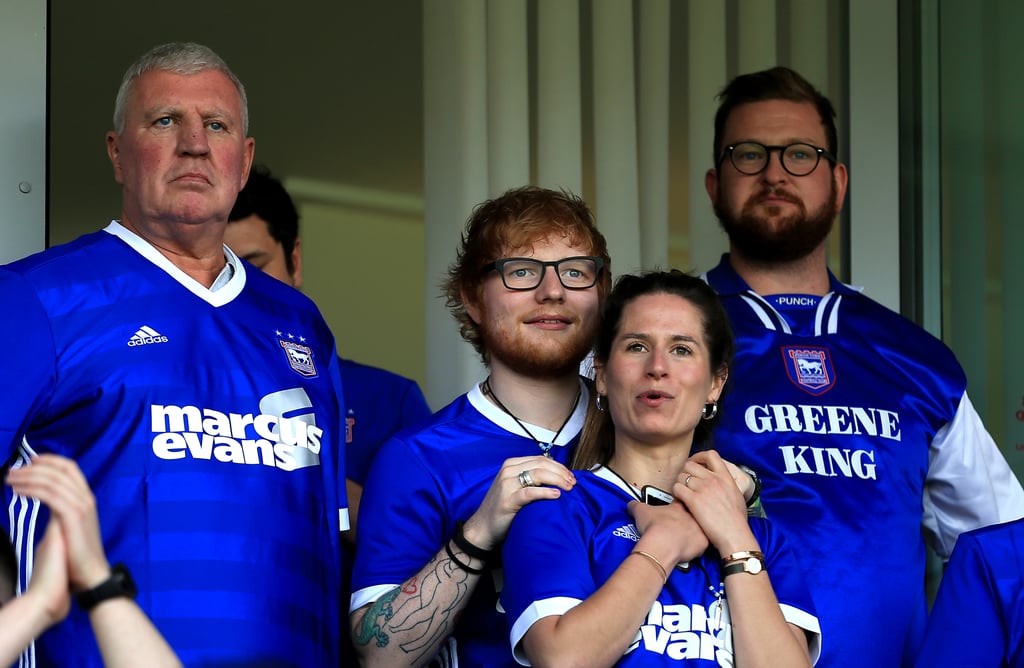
(545, 448)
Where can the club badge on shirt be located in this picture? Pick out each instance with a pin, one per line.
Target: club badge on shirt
(300, 358)
(809, 368)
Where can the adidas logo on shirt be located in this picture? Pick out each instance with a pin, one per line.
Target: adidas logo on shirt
(145, 336)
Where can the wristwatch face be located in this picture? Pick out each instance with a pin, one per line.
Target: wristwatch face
(752, 565)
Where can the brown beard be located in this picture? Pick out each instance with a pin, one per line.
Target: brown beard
(773, 238)
(554, 358)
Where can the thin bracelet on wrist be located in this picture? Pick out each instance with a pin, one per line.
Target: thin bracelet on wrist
(654, 560)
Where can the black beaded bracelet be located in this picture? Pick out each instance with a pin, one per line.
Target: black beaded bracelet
(472, 550)
(465, 567)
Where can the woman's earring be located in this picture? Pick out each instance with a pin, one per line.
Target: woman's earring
(601, 407)
(710, 411)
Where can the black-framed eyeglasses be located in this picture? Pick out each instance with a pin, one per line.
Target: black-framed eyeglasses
(751, 157)
(525, 273)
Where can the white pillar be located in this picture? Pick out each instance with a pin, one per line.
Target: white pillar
(755, 40)
(873, 196)
(455, 174)
(707, 75)
(653, 132)
(508, 96)
(22, 129)
(615, 144)
(559, 106)
(808, 41)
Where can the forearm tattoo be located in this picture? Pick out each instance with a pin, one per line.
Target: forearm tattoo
(420, 614)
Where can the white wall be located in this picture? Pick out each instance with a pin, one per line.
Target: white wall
(22, 128)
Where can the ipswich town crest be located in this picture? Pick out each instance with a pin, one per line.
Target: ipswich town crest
(299, 357)
(809, 368)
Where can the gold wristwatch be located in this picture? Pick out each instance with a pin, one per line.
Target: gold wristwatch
(748, 561)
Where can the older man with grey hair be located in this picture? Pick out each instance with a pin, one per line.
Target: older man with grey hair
(200, 399)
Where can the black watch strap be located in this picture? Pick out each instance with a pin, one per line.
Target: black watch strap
(119, 584)
(757, 485)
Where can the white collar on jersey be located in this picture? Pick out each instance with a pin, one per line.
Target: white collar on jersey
(826, 317)
(228, 285)
(503, 420)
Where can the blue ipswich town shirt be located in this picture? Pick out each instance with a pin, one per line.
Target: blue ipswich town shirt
(378, 403)
(421, 483)
(859, 424)
(210, 427)
(560, 551)
(978, 617)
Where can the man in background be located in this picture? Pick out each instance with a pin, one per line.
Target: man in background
(200, 399)
(857, 420)
(264, 230)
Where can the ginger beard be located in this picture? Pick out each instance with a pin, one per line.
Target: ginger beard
(535, 355)
(768, 236)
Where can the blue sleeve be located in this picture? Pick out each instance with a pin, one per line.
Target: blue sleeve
(413, 407)
(378, 404)
(403, 520)
(965, 628)
(546, 556)
(29, 369)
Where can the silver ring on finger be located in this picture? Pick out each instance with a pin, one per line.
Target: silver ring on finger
(686, 483)
(525, 479)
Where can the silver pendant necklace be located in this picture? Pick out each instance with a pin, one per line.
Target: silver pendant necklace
(545, 448)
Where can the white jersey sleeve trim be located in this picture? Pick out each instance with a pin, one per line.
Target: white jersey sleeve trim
(550, 607)
(809, 623)
(368, 595)
(224, 294)
(969, 483)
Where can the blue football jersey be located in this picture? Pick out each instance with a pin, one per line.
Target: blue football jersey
(378, 403)
(978, 617)
(209, 425)
(859, 425)
(561, 551)
(422, 482)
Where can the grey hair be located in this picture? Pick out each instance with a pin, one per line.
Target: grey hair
(185, 58)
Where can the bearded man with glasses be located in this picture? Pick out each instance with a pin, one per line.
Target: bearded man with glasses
(857, 420)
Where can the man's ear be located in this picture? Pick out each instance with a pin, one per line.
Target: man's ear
(248, 153)
(711, 185)
(297, 263)
(841, 178)
(114, 153)
(469, 303)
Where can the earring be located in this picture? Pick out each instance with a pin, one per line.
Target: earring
(710, 415)
(597, 401)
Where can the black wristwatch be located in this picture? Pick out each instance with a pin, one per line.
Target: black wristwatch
(757, 484)
(119, 584)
